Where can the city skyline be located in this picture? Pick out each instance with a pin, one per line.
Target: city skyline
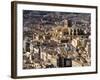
(56, 39)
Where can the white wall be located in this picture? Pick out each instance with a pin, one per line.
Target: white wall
(5, 40)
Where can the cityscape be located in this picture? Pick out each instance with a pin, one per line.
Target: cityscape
(56, 39)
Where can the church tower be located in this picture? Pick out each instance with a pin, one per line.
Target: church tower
(65, 23)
